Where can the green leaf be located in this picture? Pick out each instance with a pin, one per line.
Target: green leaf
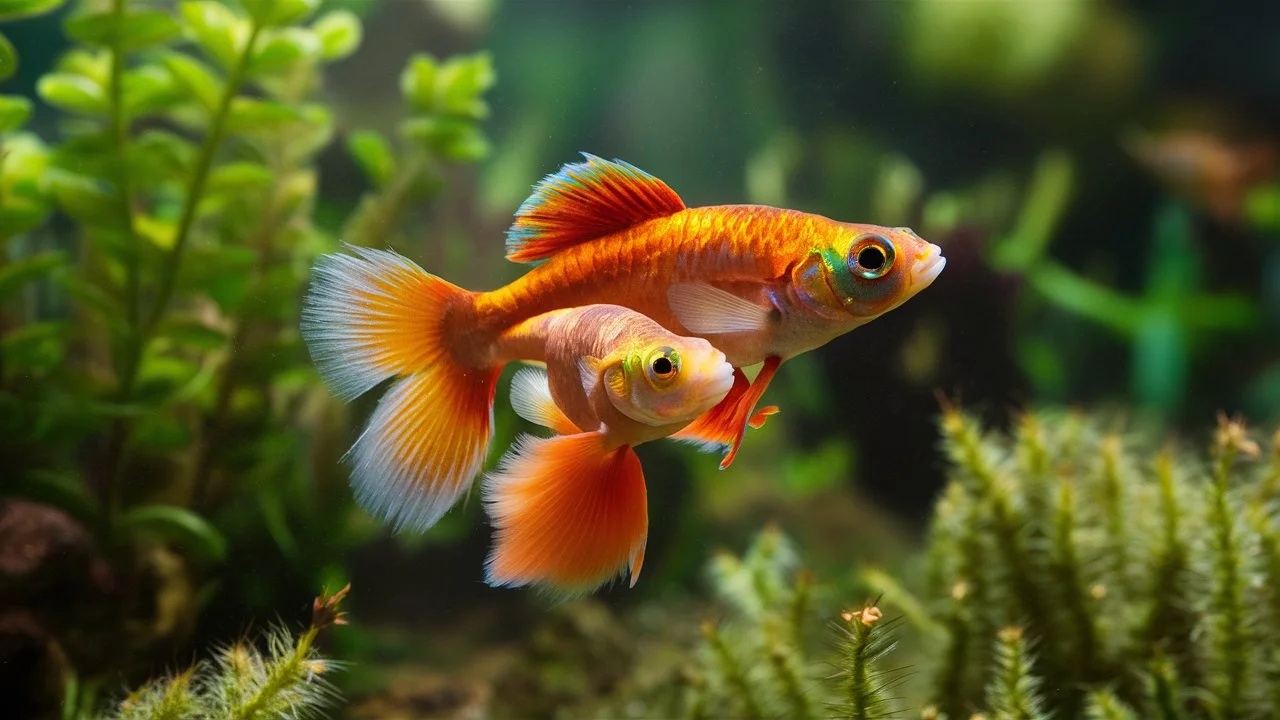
(177, 523)
(283, 49)
(372, 151)
(8, 58)
(418, 82)
(84, 199)
(238, 177)
(199, 81)
(451, 138)
(93, 64)
(192, 333)
(215, 29)
(14, 9)
(64, 491)
(74, 93)
(340, 33)
(19, 273)
(273, 13)
(14, 112)
(156, 156)
(462, 80)
(149, 90)
(34, 347)
(250, 115)
(134, 30)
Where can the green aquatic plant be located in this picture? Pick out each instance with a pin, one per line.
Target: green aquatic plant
(153, 254)
(1130, 571)
(243, 683)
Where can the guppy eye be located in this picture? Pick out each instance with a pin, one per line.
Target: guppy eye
(665, 364)
(871, 257)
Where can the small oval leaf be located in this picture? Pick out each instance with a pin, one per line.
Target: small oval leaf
(14, 9)
(272, 13)
(131, 31)
(15, 111)
(179, 524)
(216, 29)
(8, 58)
(374, 155)
(74, 93)
(340, 33)
(199, 81)
(250, 115)
(283, 49)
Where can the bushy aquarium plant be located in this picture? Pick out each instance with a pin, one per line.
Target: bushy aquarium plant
(160, 420)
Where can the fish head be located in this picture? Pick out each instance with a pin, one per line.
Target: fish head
(865, 271)
(670, 381)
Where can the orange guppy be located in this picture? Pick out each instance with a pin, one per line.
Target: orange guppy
(761, 284)
(571, 512)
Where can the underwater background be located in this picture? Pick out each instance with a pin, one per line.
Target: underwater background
(1046, 486)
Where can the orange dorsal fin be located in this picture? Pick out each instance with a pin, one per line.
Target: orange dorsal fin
(584, 201)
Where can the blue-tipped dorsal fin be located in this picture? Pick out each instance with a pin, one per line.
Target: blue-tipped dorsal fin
(584, 201)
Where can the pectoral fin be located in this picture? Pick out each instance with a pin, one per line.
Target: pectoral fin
(531, 399)
(708, 310)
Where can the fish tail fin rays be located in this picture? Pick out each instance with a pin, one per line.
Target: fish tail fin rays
(584, 201)
(568, 512)
(724, 426)
(531, 399)
(376, 315)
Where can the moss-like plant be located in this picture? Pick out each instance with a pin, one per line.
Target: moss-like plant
(1071, 571)
(1134, 582)
(243, 683)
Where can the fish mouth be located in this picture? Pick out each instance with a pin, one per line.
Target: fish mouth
(717, 387)
(926, 269)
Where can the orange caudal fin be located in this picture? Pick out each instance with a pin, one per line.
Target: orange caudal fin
(374, 315)
(569, 514)
(584, 201)
(724, 426)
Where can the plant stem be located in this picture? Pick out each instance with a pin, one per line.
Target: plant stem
(168, 276)
(120, 135)
(204, 164)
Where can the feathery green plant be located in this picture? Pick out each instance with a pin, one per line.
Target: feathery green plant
(243, 683)
(1142, 576)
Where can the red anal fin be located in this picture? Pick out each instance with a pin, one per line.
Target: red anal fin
(584, 201)
(725, 425)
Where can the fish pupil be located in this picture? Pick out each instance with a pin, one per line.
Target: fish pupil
(662, 366)
(871, 258)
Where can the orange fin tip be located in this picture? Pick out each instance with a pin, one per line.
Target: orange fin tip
(584, 201)
(569, 514)
(723, 427)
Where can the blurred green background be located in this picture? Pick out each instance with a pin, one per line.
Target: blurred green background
(1100, 176)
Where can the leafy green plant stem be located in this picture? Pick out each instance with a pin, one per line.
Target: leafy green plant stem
(204, 163)
(168, 275)
(207, 441)
(1231, 641)
(120, 138)
(734, 673)
(281, 675)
